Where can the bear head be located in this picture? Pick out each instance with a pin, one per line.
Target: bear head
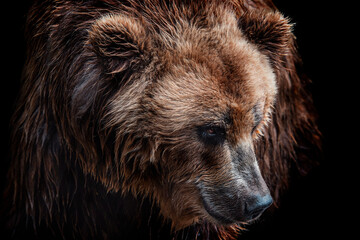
(196, 89)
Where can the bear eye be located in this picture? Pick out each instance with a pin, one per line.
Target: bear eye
(210, 131)
(212, 135)
(258, 117)
(255, 129)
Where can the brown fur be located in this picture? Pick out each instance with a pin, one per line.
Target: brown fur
(113, 94)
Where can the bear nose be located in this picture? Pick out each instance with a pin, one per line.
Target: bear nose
(257, 205)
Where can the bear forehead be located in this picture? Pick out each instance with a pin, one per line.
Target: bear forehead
(215, 59)
(215, 72)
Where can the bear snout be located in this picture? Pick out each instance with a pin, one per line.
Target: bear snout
(256, 205)
(229, 205)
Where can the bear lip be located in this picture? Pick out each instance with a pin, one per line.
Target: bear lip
(218, 217)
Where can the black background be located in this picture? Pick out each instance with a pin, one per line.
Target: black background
(324, 203)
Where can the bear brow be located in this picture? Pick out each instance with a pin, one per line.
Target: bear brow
(222, 120)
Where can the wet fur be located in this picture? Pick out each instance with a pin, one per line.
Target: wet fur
(87, 124)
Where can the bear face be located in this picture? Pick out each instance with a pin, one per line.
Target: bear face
(201, 93)
(209, 113)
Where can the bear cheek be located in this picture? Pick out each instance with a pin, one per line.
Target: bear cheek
(183, 169)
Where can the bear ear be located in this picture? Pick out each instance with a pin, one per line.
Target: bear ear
(270, 31)
(119, 42)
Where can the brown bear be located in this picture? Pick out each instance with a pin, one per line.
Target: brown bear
(156, 119)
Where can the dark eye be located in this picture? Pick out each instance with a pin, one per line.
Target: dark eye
(254, 128)
(256, 125)
(258, 117)
(211, 131)
(212, 135)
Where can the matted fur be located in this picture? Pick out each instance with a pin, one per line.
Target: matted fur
(88, 140)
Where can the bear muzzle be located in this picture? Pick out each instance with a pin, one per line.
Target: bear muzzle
(227, 207)
(240, 194)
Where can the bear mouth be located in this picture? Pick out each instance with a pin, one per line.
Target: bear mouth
(217, 215)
